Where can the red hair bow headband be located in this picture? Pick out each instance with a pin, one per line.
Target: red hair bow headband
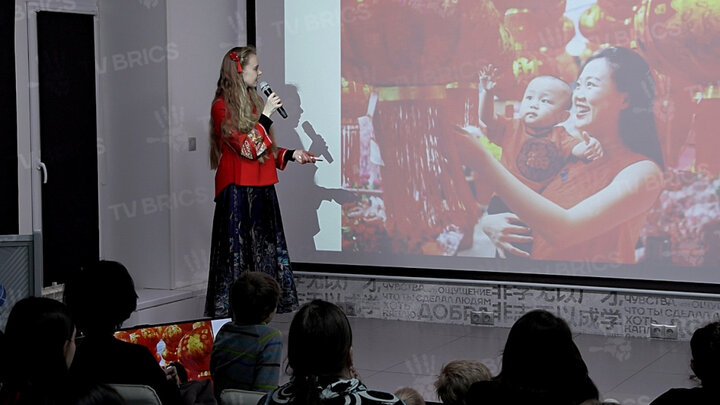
(234, 56)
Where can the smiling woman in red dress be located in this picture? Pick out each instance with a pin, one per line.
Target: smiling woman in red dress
(592, 211)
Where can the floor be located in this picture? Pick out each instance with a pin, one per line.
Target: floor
(394, 354)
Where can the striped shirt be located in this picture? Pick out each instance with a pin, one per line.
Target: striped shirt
(246, 357)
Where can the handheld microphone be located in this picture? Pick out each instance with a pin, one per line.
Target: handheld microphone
(266, 89)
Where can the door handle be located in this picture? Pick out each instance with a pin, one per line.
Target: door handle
(41, 166)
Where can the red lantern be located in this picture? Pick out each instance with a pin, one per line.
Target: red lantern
(535, 29)
(588, 51)
(354, 99)
(618, 8)
(194, 350)
(674, 111)
(507, 87)
(525, 68)
(607, 25)
(567, 67)
(422, 42)
(681, 38)
(483, 40)
(171, 335)
(169, 354)
(705, 126)
(529, 65)
(554, 7)
(150, 336)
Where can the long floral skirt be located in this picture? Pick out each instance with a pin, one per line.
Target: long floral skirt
(247, 235)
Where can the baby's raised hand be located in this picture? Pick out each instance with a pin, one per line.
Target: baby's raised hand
(486, 77)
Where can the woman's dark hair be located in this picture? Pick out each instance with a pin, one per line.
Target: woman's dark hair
(33, 352)
(253, 297)
(319, 344)
(100, 297)
(541, 358)
(705, 347)
(632, 76)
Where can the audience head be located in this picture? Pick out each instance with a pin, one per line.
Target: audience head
(39, 342)
(410, 396)
(319, 349)
(541, 340)
(254, 297)
(455, 380)
(101, 297)
(319, 341)
(705, 347)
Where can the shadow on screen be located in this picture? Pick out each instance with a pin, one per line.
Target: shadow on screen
(300, 195)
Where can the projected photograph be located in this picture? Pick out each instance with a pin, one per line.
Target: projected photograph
(555, 130)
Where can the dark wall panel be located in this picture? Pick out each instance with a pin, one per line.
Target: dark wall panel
(8, 122)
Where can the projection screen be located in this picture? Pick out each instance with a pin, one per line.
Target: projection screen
(378, 89)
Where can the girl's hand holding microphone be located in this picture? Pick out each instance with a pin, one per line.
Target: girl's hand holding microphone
(272, 104)
(302, 157)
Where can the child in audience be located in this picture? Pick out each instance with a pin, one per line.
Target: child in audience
(410, 396)
(705, 363)
(534, 147)
(456, 378)
(247, 352)
(38, 348)
(101, 297)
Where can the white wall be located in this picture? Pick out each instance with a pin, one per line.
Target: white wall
(158, 196)
(132, 89)
(202, 35)
(157, 64)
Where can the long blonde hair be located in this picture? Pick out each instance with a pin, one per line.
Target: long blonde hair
(238, 98)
